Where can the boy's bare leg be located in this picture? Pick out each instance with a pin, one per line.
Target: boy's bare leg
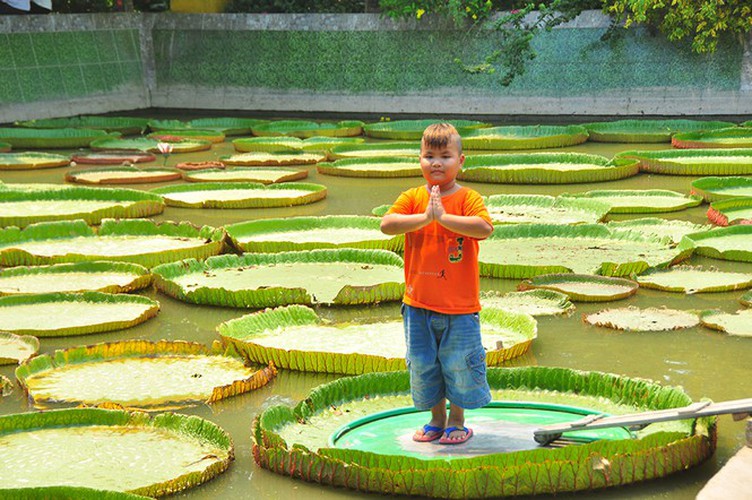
(438, 417)
(456, 419)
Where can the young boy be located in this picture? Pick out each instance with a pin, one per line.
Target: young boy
(442, 222)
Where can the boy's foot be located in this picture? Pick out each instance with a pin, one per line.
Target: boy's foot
(456, 435)
(428, 433)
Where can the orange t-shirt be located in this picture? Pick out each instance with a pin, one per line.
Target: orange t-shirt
(441, 266)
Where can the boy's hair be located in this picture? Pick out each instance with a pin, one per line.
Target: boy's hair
(438, 135)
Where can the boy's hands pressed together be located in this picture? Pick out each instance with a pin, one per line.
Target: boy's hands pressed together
(435, 206)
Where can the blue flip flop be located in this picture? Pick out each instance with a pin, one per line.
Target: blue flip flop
(445, 438)
(425, 438)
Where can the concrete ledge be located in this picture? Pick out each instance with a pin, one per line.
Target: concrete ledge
(733, 482)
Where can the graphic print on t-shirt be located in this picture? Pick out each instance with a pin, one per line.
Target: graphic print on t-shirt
(455, 249)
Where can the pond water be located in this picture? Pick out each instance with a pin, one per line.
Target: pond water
(707, 364)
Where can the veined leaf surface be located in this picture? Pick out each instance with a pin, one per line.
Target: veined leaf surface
(627, 201)
(738, 323)
(31, 160)
(241, 174)
(675, 230)
(583, 287)
(122, 175)
(241, 194)
(102, 276)
(532, 302)
(651, 319)
(16, 348)
(529, 208)
(694, 279)
(722, 188)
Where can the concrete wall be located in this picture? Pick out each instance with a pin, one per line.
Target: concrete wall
(357, 63)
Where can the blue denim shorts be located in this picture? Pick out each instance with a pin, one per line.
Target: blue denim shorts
(445, 358)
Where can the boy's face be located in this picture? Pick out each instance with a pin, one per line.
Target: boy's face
(441, 164)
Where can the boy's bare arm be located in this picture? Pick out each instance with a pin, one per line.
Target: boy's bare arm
(403, 223)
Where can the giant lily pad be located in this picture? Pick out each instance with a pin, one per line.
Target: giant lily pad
(227, 125)
(375, 150)
(675, 230)
(5, 147)
(738, 323)
(16, 348)
(42, 138)
(526, 250)
(582, 287)
(97, 276)
(372, 167)
(629, 201)
(31, 160)
(295, 441)
(122, 175)
(652, 319)
(63, 314)
(240, 174)
(722, 188)
(151, 145)
(412, 130)
(21, 205)
(732, 137)
(727, 243)
(293, 144)
(126, 125)
(732, 211)
(696, 162)
(694, 279)
(525, 137)
(139, 241)
(304, 128)
(241, 194)
(545, 168)
(746, 299)
(279, 158)
(331, 276)
(138, 374)
(644, 130)
(295, 337)
(307, 233)
(532, 302)
(531, 208)
(66, 493)
(213, 136)
(111, 449)
(113, 157)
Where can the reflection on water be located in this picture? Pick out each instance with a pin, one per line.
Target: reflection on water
(706, 363)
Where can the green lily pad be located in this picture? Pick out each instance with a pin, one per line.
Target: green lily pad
(644, 130)
(241, 194)
(412, 130)
(738, 323)
(227, 125)
(213, 136)
(525, 137)
(376, 150)
(732, 137)
(43, 138)
(330, 276)
(269, 159)
(527, 250)
(112, 449)
(372, 167)
(138, 241)
(531, 208)
(293, 144)
(651, 319)
(731, 211)
(583, 287)
(675, 230)
(5, 147)
(308, 233)
(283, 437)
(66, 493)
(126, 125)
(722, 188)
(694, 279)
(630, 201)
(381, 210)
(545, 168)
(64, 314)
(150, 145)
(727, 243)
(32, 160)
(112, 157)
(693, 162)
(138, 374)
(97, 276)
(532, 302)
(16, 348)
(304, 128)
(122, 175)
(294, 337)
(746, 299)
(24, 204)
(240, 174)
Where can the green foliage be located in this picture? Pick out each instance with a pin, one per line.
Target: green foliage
(703, 22)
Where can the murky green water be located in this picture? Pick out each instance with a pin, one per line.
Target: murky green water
(706, 363)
